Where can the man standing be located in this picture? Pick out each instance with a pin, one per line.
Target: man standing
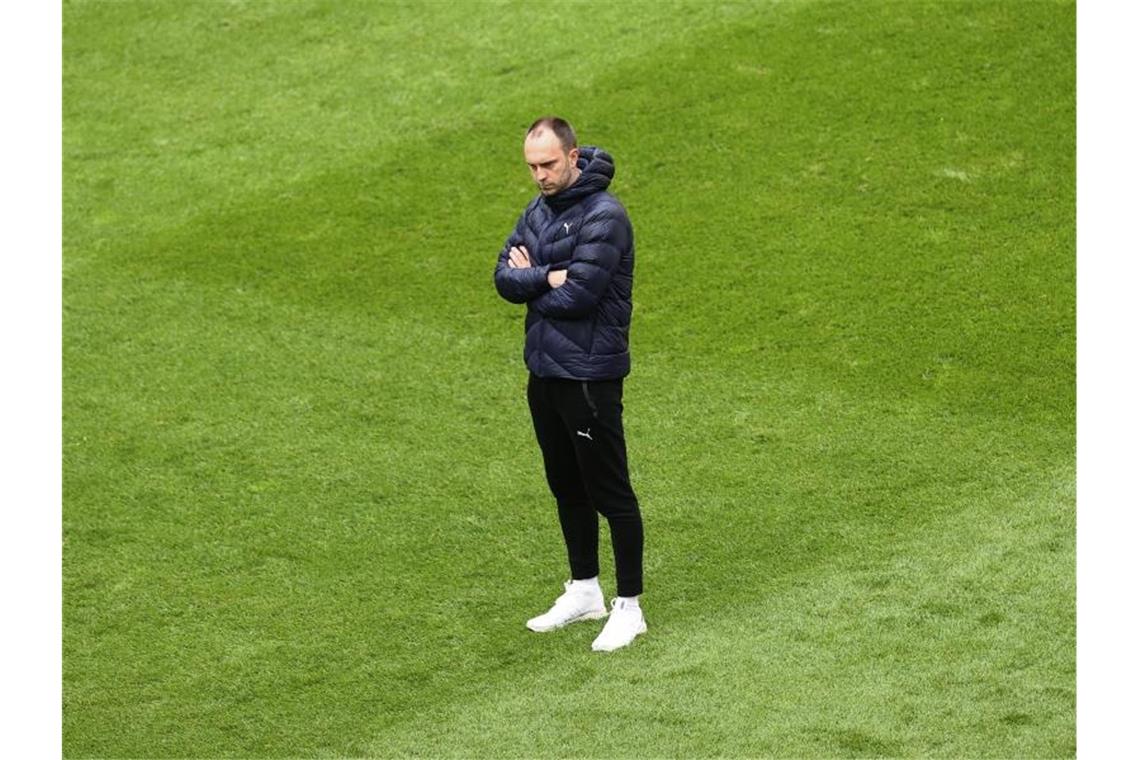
(570, 260)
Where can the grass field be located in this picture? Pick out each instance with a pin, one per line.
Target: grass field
(304, 513)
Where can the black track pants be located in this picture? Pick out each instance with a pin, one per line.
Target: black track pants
(578, 425)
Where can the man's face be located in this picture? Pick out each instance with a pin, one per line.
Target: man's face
(552, 168)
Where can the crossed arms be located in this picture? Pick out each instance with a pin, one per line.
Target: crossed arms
(571, 292)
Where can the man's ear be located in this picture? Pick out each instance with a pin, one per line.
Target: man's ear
(573, 156)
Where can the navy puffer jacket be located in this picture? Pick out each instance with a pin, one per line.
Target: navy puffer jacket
(580, 330)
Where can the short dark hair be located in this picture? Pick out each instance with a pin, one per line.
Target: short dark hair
(560, 127)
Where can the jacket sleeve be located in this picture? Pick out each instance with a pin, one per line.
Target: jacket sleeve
(519, 285)
(600, 244)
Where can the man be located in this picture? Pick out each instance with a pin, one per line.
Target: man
(570, 260)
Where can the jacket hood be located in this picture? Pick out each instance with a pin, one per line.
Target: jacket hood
(597, 169)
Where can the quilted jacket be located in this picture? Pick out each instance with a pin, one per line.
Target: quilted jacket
(579, 331)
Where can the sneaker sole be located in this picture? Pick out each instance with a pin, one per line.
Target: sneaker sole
(597, 615)
(640, 631)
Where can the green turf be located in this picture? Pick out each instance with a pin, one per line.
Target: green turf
(304, 514)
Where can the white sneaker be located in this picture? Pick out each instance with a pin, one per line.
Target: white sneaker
(625, 624)
(578, 603)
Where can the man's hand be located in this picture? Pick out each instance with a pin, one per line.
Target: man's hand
(520, 259)
(556, 278)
